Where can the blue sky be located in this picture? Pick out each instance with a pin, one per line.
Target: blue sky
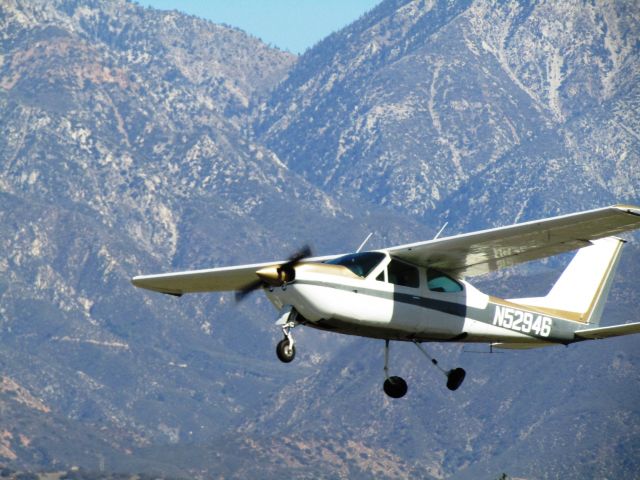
(293, 25)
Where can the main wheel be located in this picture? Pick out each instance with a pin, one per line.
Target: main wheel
(285, 351)
(395, 387)
(455, 378)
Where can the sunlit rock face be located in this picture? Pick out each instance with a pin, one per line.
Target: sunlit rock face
(418, 102)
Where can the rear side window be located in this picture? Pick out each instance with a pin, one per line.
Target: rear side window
(439, 282)
(403, 274)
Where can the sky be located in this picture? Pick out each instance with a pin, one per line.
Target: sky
(292, 25)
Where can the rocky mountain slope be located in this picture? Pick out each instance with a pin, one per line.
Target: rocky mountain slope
(419, 104)
(123, 154)
(137, 141)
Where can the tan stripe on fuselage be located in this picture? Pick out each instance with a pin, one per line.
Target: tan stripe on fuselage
(553, 312)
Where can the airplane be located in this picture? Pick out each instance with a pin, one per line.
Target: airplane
(419, 293)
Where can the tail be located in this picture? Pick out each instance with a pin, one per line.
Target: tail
(582, 290)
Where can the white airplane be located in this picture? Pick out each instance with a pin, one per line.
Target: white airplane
(418, 292)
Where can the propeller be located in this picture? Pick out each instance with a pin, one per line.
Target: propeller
(247, 289)
(276, 275)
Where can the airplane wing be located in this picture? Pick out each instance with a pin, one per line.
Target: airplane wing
(484, 251)
(208, 280)
(462, 255)
(606, 332)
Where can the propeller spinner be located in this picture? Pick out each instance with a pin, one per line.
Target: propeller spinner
(275, 275)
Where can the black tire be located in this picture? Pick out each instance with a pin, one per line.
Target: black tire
(285, 352)
(455, 378)
(395, 387)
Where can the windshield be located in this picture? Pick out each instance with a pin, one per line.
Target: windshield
(359, 263)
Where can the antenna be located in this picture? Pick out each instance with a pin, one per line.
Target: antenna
(441, 230)
(364, 243)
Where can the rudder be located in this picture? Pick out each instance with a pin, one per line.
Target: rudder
(581, 291)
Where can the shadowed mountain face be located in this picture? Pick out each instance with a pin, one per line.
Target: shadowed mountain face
(138, 141)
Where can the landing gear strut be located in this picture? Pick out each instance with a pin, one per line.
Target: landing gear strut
(454, 377)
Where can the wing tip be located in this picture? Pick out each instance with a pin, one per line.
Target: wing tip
(631, 209)
(139, 281)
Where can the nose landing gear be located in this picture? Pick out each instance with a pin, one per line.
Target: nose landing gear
(286, 349)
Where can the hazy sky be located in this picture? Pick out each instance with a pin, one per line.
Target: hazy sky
(293, 25)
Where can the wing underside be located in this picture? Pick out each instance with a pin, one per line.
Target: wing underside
(481, 252)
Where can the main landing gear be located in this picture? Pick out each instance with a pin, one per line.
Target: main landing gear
(396, 387)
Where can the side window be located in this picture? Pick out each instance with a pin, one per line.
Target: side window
(403, 274)
(439, 282)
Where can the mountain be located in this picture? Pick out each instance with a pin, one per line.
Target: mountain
(126, 150)
(139, 141)
(420, 105)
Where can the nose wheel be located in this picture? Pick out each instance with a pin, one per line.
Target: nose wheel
(285, 350)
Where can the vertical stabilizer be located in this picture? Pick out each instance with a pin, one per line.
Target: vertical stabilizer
(582, 290)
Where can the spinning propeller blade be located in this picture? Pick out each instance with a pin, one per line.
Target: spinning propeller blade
(247, 289)
(295, 259)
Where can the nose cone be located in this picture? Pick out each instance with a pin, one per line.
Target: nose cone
(270, 276)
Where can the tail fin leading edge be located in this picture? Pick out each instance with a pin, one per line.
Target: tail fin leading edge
(582, 290)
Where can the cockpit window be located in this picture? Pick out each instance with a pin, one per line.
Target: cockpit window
(359, 263)
(439, 282)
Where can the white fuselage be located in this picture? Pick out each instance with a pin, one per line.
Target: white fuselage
(374, 307)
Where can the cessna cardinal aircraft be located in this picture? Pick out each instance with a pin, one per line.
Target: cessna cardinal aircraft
(418, 292)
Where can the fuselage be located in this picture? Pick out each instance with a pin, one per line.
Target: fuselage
(388, 299)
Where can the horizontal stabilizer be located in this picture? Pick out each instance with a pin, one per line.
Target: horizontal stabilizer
(521, 346)
(606, 332)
